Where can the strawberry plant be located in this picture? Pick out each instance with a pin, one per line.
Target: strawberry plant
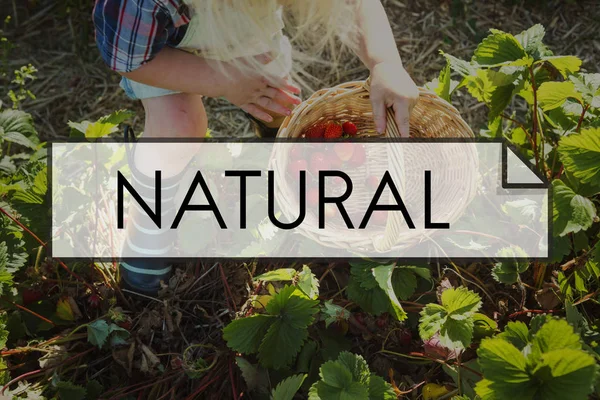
(453, 320)
(545, 364)
(278, 335)
(349, 377)
(378, 288)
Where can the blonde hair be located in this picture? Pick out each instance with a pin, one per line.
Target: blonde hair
(313, 27)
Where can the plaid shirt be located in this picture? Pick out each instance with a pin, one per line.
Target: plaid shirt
(130, 33)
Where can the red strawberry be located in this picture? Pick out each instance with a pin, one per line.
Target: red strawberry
(94, 301)
(379, 217)
(350, 128)
(382, 321)
(330, 210)
(319, 162)
(312, 197)
(359, 317)
(405, 337)
(31, 296)
(359, 156)
(344, 150)
(333, 131)
(296, 166)
(373, 182)
(296, 152)
(127, 324)
(315, 131)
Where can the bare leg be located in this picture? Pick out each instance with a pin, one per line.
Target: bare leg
(178, 116)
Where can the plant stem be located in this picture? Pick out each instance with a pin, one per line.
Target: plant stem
(62, 264)
(28, 310)
(535, 117)
(585, 108)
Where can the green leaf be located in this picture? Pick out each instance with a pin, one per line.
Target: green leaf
(334, 313)
(516, 333)
(373, 301)
(321, 391)
(464, 68)
(552, 95)
(286, 390)
(17, 126)
(461, 301)
(566, 374)
(245, 335)
(445, 83)
(294, 312)
(383, 276)
(498, 48)
(117, 117)
(566, 65)
(508, 271)
(457, 334)
(357, 366)
(3, 332)
(335, 374)
(589, 87)
(554, 335)
(505, 370)
(531, 39)
(571, 212)
(379, 389)
(70, 391)
(349, 378)
(256, 378)
(283, 274)
(404, 282)
(103, 127)
(484, 326)
(580, 154)
(308, 283)
(98, 332)
(93, 390)
(433, 317)
(453, 319)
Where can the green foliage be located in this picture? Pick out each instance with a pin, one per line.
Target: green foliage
(548, 364)
(70, 391)
(99, 332)
(580, 154)
(334, 313)
(278, 335)
(305, 280)
(288, 388)
(378, 288)
(453, 319)
(349, 377)
(572, 212)
(22, 76)
(508, 271)
(104, 126)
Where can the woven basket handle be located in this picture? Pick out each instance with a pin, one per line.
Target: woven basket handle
(391, 126)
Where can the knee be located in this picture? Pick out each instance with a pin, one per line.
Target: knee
(176, 116)
(189, 123)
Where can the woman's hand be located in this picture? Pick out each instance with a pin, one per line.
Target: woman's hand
(391, 86)
(260, 96)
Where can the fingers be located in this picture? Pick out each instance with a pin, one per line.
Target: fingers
(379, 115)
(402, 117)
(257, 112)
(271, 105)
(264, 58)
(282, 96)
(282, 83)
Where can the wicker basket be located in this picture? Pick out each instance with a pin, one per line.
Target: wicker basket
(432, 117)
